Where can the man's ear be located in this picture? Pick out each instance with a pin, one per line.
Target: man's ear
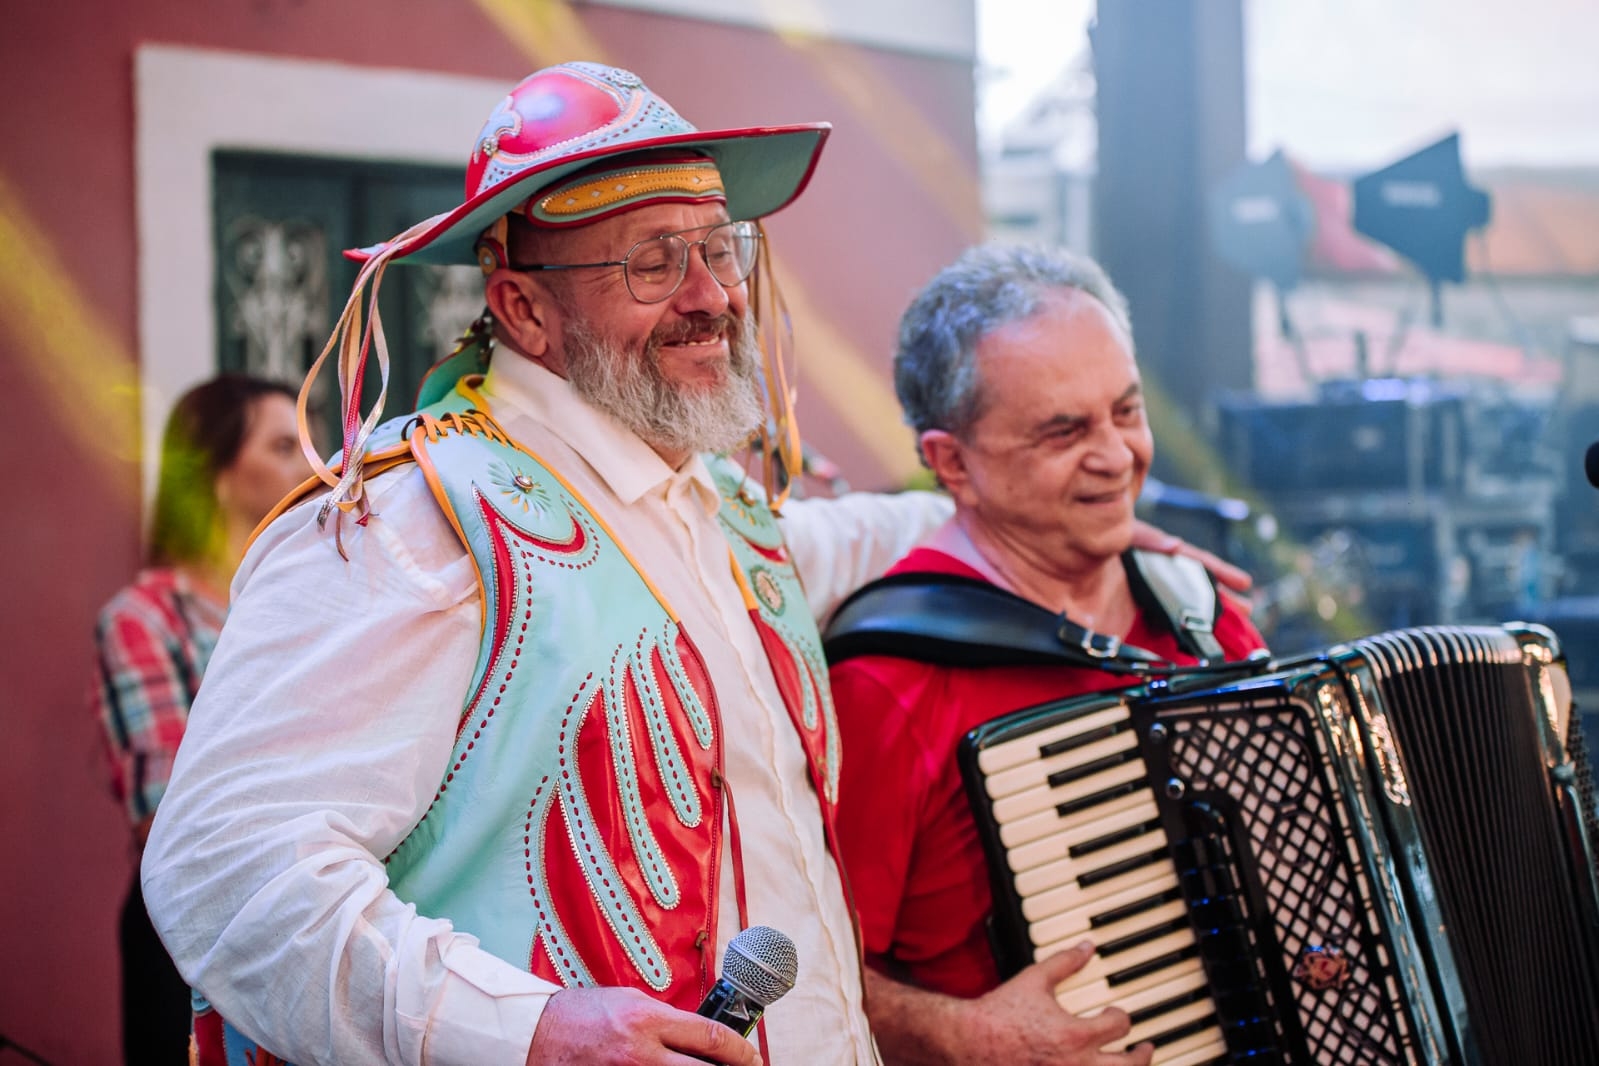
(945, 456)
(522, 310)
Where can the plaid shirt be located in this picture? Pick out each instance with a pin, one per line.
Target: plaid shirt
(154, 639)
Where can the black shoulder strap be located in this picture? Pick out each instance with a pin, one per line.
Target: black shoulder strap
(961, 621)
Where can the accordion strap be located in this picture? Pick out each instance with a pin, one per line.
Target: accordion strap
(962, 621)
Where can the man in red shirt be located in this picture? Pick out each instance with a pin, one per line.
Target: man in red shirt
(1016, 369)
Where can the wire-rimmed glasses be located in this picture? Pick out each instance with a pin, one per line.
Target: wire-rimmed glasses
(655, 267)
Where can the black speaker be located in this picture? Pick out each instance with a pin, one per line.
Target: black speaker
(1373, 436)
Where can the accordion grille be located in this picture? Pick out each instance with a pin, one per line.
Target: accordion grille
(1271, 763)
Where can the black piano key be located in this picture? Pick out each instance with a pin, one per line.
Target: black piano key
(1088, 847)
(1166, 1006)
(1137, 906)
(1083, 739)
(1159, 962)
(1143, 936)
(1061, 718)
(1104, 795)
(1116, 869)
(1089, 769)
(1171, 1036)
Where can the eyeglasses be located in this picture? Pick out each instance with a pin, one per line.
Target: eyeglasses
(654, 268)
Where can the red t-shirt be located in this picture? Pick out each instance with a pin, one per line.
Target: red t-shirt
(906, 835)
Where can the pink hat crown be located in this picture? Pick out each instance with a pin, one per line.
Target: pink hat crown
(567, 110)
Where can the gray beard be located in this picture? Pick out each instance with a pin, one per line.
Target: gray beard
(670, 418)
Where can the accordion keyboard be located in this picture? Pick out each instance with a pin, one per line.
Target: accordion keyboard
(1089, 859)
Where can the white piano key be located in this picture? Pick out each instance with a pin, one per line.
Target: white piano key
(1028, 779)
(1146, 881)
(1025, 774)
(1169, 987)
(1100, 967)
(1065, 871)
(1210, 1052)
(1164, 983)
(1043, 819)
(1127, 849)
(1075, 924)
(1079, 832)
(1000, 757)
(1203, 1046)
(1028, 814)
(1165, 1023)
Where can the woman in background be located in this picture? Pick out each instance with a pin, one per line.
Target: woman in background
(229, 453)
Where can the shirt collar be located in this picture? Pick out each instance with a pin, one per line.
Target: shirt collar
(630, 468)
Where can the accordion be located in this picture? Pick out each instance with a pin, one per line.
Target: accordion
(1379, 854)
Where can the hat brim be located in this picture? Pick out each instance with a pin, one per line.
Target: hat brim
(763, 169)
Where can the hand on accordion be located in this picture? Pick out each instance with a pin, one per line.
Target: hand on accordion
(1018, 1024)
(1037, 1030)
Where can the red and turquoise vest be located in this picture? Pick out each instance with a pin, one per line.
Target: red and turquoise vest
(577, 832)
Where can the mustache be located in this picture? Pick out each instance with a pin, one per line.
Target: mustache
(696, 327)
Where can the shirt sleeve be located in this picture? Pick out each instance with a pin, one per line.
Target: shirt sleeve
(142, 698)
(840, 544)
(318, 740)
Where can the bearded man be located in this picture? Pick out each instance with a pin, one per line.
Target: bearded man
(511, 731)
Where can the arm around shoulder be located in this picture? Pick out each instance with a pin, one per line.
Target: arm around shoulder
(840, 544)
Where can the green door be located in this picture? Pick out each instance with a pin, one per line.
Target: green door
(282, 224)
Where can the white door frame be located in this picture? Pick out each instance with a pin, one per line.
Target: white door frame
(190, 102)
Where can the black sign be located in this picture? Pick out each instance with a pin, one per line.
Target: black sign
(1422, 208)
(1262, 222)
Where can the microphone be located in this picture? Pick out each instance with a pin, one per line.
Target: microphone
(1590, 464)
(759, 966)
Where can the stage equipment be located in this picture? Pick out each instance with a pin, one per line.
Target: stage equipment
(1261, 222)
(1422, 208)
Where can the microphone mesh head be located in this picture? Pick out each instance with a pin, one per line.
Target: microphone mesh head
(761, 963)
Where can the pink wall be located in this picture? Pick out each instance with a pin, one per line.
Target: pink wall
(878, 219)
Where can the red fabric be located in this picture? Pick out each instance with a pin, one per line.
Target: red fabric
(906, 835)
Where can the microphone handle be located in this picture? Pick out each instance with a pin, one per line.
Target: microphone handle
(726, 1004)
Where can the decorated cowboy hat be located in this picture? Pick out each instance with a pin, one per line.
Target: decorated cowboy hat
(567, 119)
(594, 141)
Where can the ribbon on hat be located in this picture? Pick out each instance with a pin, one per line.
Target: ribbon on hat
(778, 438)
(593, 195)
(354, 345)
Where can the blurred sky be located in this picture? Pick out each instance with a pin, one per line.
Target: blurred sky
(1357, 83)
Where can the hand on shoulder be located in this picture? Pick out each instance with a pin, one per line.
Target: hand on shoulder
(1235, 582)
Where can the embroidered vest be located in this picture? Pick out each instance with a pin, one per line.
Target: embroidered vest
(577, 832)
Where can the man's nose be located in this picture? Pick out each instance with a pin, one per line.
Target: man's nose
(700, 291)
(1110, 451)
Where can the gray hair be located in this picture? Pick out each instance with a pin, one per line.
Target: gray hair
(988, 287)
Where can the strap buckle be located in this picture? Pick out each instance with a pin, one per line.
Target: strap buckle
(1100, 645)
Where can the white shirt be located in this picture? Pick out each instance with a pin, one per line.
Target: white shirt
(327, 718)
